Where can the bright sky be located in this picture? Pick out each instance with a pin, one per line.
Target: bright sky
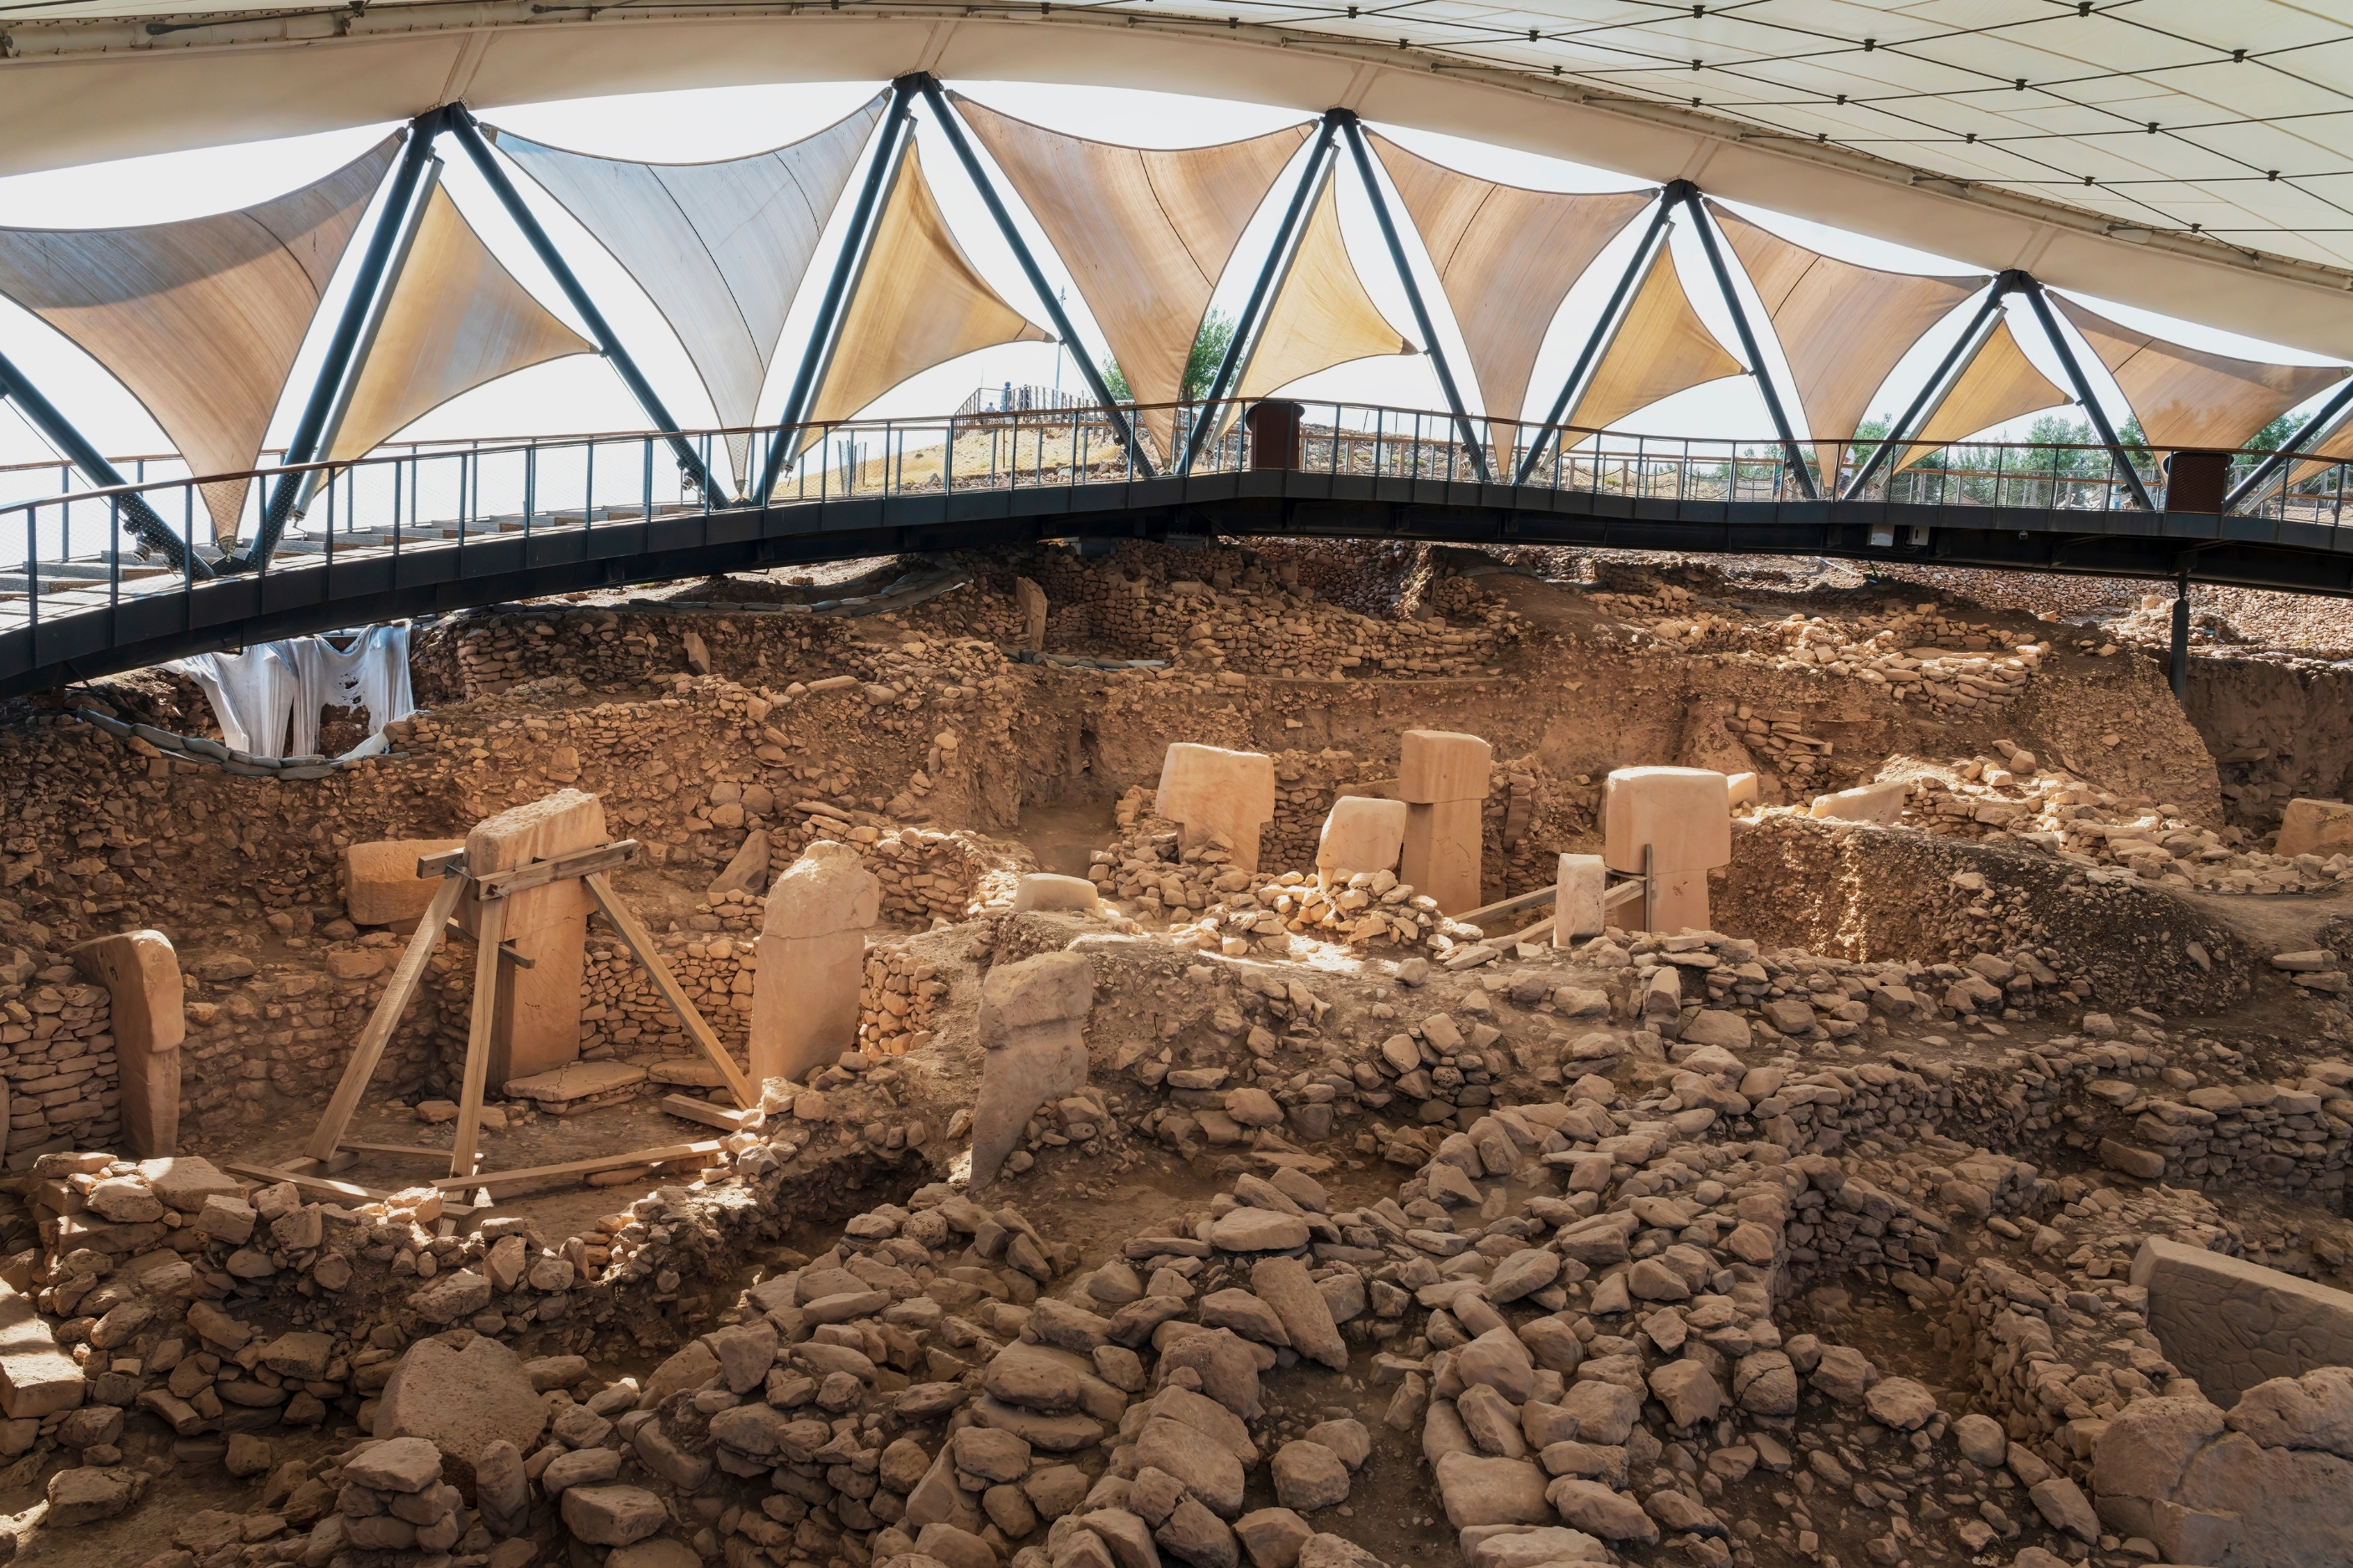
(583, 393)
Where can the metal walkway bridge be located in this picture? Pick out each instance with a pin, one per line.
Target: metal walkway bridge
(438, 527)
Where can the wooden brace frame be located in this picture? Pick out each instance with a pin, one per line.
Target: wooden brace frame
(491, 960)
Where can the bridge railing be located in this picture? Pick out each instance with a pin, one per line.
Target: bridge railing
(64, 553)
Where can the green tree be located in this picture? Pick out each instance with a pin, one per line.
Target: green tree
(1209, 346)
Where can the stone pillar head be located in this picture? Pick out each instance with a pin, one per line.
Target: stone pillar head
(1684, 816)
(1576, 899)
(147, 1014)
(1208, 791)
(1031, 1017)
(812, 956)
(1046, 890)
(537, 1023)
(1436, 765)
(1361, 833)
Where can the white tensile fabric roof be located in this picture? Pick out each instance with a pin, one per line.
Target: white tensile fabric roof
(456, 319)
(201, 319)
(1145, 233)
(2177, 155)
(2195, 397)
(1842, 326)
(919, 303)
(720, 248)
(1999, 383)
(1660, 347)
(1321, 316)
(1507, 257)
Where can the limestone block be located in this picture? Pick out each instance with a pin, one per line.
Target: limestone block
(1577, 900)
(381, 886)
(746, 872)
(141, 974)
(537, 1024)
(1441, 851)
(1879, 803)
(1360, 834)
(1045, 891)
(1436, 765)
(1208, 791)
(1031, 600)
(36, 1377)
(461, 1402)
(2321, 828)
(1685, 814)
(1742, 788)
(2232, 1324)
(1031, 1015)
(810, 957)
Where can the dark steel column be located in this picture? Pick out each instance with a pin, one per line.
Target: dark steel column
(1749, 342)
(2033, 292)
(1604, 329)
(846, 269)
(1933, 389)
(358, 308)
(1278, 261)
(2181, 665)
(137, 515)
(462, 125)
(2319, 423)
(1470, 442)
(954, 130)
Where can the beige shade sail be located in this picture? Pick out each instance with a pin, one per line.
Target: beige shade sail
(1321, 315)
(2000, 383)
(456, 319)
(1842, 326)
(201, 319)
(1507, 258)
(1146, 233)
(721, 248)
(919, 303)
(2194, 397)
(1660, 348)
(2336, 442)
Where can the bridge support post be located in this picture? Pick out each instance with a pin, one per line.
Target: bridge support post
(1278, 261)
(1421, 320)
(952, 129)
(2179, 667)
(59, 431)
(460, 124)
(1789, 449)
(2083, 384)
(1605, 328)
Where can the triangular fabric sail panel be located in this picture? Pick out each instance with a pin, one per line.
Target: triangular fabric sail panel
(1321, 316)
(456, 320)
(919, 303)
(1145, 233)
(721, 248)
(1842, 326)
(201, 319)
(2194, 397)
(1660, 348)
(1507, 258)
(2000, 384)
(2336, 442)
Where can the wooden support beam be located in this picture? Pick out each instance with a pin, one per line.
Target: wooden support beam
(369, 1051)
(710, 1115)
(540, 873)
(1506, 906)
(478, 1030)
(1623, 893)
(316, 1186)
(441, 864)
(506, 948)
(585, 1167)
(417, 1150)
(641, 942)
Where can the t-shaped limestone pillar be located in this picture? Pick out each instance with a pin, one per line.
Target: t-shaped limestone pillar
(1576, 899)
(1205, 791)
(537, 1026)
(1031, 1017)
(812, 954)
(1361, 833)
(1684, 817)
(1442, 779)
(142, 976)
